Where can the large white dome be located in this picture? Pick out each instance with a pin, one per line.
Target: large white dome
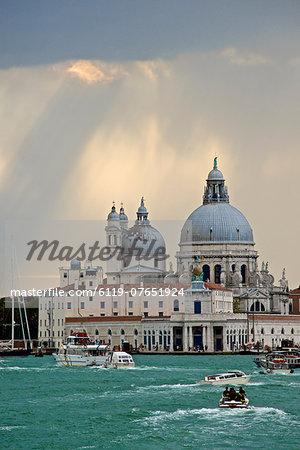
(216, 222)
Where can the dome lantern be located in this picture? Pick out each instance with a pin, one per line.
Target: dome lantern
(215, 191)
(142, 214)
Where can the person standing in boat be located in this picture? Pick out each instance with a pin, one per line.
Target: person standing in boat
(226, 393)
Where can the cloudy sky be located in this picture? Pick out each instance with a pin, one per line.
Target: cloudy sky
(105, 101)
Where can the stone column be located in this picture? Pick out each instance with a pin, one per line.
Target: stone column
(185, 339)
(171, 340)
(191, 338)
(209, 335)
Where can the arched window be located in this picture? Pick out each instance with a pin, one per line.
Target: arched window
(290, 308)
(136, 332)
(243, 273)
(272, 331)
(122, 331)
(206, 272)
(109, 332)
(145, 332)
(96, 332)
(262, 308)
(232, 268)
(262, 331)
(176, 305)
(282, 330)
(292, 331)
(258, 306)
(218, 274)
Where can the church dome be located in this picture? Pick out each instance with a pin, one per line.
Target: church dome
(113, 215)
(216, 222)
(122, 215)
(215, 174)
(142, 236)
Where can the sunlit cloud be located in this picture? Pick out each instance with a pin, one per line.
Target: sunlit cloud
(244, 59)
(96, 71)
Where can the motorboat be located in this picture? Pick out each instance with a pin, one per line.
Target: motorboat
(118, 360)
(235, 377)
(277, 366)
(290, 357)
(225, 402)
(80, 351)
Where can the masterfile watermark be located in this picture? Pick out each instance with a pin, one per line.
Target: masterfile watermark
(66, 253)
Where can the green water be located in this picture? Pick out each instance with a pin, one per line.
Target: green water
(156, 405)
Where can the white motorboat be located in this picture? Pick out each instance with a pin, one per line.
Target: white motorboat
(79, 351)
(118, 360)
(227, 403)
(277, 366)
(235, 377)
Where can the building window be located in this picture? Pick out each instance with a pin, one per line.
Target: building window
(145, 304)
(160, 338)
(91, 298)
(115, 313)
(292, 331)
(262, 331)
(102, 305)
(81, 275)
(41, 323)
(197, 307)
(272, 331)
(130, 313)
(115, 304)
(65, 275)
(206, 272)
(82, 305)
(218, 274)
(243, 273)
(109, 332)
(90, 283)
(130, 304)
(145, 340)
(160, 304)
(69, 305)
(145, 314)
(96, 332)
(122, 331)
(58, 322)
(282, 330)
(58, 333)
(45, 322)
(176, 305)
(160, 314)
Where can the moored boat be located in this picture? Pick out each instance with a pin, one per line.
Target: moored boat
(235, 377)
(279, 366)
(80, 351)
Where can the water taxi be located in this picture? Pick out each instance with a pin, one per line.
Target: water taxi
(79, 351)
(118, 360)
(235, 377)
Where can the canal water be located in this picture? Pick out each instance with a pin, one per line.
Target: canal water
(156, 405)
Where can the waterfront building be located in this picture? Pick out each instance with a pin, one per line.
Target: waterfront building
(140, 301)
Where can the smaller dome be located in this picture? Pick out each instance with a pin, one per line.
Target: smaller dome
(215, 174)
(113, 215)
(75, 264)
(123, 216)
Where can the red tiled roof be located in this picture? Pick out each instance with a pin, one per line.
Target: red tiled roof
(275, 317)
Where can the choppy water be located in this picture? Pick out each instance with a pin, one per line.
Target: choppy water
(156, 405)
